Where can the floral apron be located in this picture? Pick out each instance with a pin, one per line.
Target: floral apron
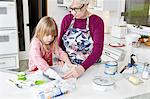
(78, 43)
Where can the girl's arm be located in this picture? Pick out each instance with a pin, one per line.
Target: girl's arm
(35, 55)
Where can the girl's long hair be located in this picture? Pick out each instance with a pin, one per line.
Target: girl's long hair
(47, 26)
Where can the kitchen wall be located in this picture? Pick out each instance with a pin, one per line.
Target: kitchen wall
(110, 18)
(56, 12)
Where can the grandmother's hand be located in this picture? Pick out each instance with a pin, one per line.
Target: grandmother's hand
(74, 72)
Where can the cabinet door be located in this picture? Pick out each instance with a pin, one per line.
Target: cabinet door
(7, 62)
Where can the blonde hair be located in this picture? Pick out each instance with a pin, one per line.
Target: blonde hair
(46, 26)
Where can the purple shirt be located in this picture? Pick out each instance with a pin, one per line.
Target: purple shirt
(96, 27)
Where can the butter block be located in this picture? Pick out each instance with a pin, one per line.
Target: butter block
(134, 80)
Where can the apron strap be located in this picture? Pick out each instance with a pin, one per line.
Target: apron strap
(72, 23)
(87, 23)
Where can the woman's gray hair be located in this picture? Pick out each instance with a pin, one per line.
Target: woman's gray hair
(83, 1)
(68, 2)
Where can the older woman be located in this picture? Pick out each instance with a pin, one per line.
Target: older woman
(81, 36)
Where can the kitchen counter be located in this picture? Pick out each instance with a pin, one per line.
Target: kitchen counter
(123, 89)
(85, 89)
(8, 90)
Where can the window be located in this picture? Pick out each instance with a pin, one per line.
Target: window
(137, 12)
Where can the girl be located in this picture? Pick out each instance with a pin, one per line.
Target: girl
(44, 44)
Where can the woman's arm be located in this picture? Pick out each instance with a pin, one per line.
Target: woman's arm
(97, 33)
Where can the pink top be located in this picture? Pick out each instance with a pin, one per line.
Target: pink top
(38, 57)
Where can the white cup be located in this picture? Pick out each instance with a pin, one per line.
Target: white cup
(111, 68)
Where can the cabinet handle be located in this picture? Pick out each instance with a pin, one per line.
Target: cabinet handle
(28, 24)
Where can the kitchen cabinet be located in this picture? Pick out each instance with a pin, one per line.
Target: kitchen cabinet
(8, 61)
(8, 35)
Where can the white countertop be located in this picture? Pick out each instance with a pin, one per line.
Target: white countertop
(84, 90)
(8, 90)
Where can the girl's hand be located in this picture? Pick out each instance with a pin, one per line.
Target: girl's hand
(74, 72)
